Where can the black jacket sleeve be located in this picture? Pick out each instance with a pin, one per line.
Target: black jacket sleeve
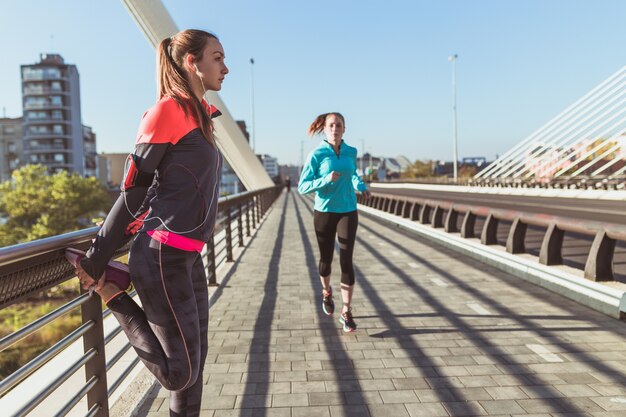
(133, 200)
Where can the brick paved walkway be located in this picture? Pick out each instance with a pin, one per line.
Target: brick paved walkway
(439, 335)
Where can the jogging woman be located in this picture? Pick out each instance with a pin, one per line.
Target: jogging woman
(330, 172)
(171, 184)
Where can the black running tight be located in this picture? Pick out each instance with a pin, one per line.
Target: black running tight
(170, 332)
(344, 226)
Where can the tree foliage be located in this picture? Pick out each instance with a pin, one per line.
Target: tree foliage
(419, 169)
(35, 205)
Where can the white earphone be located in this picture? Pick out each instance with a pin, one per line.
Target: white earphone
(199, 74)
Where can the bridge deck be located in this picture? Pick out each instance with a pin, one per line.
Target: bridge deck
(439, 334)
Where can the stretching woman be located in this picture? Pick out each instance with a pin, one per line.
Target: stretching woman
(330, 171)
(171, 184)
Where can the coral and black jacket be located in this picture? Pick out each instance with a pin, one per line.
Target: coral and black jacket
(182, 196)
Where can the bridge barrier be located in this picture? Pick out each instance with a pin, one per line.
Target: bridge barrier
(29, 269)
(445, 216)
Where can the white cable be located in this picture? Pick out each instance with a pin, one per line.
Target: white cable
(214, 187)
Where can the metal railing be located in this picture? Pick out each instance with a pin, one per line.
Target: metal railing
(446, 215)
(605, 182)
(29, 269)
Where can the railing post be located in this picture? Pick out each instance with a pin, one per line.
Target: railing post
(551, 246)
(391, 208)
(517, 235)
(94, 339)
(415, 211)
(437, 220)
(489, 234)
(425, 214)
(240, 224)
(253, 210)
(258, 208)
(467, 228)
(381, 203)
(248, 218)
(451, 220)
(406, 213)
(399, 207)
(229, 237)
(599, 266)
(210, 253)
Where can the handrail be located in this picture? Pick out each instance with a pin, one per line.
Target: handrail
(599, 263)
(29, 268)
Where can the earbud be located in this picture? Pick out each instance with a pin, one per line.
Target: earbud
(196, 67)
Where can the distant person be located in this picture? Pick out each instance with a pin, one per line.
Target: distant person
(288, 184)
(169, 193)
(330, 172)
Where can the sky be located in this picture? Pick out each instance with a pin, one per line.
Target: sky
(383, 65)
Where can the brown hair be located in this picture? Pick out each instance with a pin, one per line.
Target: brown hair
(172, 79)
(318, 124)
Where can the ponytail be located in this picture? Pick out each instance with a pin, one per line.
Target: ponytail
(317, 126)
(172, 79)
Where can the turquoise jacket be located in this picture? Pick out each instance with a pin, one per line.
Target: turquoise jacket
(337, 196)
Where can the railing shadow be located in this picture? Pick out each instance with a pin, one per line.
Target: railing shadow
(497, 354)
(257, 388)
(352, 394)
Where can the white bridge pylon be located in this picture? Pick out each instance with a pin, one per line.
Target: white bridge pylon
(157, 24)
(588, 138)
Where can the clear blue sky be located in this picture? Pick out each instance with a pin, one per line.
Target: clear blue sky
(382, 64)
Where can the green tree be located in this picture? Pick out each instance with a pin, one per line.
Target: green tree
(35, 205)
(419, 169)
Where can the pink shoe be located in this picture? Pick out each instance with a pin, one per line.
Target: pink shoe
(116, 272)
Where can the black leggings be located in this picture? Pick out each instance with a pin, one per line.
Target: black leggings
(344, 225)
(169, 333)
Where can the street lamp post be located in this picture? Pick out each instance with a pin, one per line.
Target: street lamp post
(362, 157)
(453, 58)
(253, 127)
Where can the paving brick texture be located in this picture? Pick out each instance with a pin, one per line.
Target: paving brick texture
(438, 334)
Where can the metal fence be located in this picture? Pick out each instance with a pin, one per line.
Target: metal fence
(447, 215)
(29, 269)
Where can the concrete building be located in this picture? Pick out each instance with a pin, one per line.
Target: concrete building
(115, 163)
(53, 131)
(271, 166)
(90, 156)
(11, 152)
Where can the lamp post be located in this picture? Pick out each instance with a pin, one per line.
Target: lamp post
(253, 127)
(453, 58)
(362, 157)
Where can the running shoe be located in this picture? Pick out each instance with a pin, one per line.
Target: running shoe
(348, 321)
(328, 305)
